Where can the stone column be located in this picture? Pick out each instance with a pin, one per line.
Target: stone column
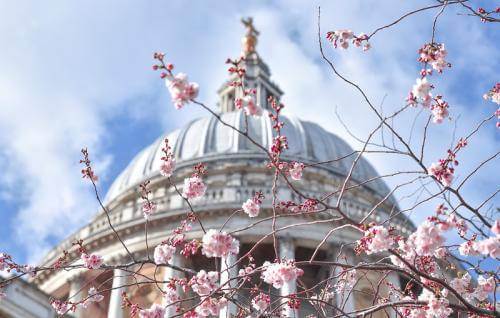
(346, 299)
(287, 250)
(77, 293)
(170, 273)
(229, 270)
(120, 278)
(393, 278)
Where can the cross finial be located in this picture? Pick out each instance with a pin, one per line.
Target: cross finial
(249, 41)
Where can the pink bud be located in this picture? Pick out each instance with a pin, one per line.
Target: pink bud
(163, 75)
(170, 66)
(155, 67)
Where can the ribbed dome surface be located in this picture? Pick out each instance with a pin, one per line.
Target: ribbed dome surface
(208, 139)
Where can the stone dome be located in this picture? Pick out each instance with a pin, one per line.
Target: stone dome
(207, 139)
(236, 171)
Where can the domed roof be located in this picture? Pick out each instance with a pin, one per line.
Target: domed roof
(207, 139)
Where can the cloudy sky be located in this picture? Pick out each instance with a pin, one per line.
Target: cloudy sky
(77, 74)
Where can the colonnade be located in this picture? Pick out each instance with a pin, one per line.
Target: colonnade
(229, 270)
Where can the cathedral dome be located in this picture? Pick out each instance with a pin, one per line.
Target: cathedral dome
(208, 139)
(236, 171)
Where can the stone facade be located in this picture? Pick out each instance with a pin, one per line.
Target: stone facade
(25, 300)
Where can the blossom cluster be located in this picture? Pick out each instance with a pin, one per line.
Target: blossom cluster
(237, 69)
(155, 311)
(91, 261)
(261, 302)
(376, 239)
(210, 306)
(93, 297)
(444, 170)
(181, 90)
(163, 253)
(6, 262)
(193, 187)
(342, 38)
(64, 307)
(87, 171)
(433, 55)
(280, 142)
(439, 110)
(494, 95)
(167, 161)
(204, 283)
(148, 207)
(295, 170)
(248, 103)
(489, 246)
(436, 306)
(462, 285)
(252, 206)
(280, 273)
(309, 205)
(219, 244)
(426, 243)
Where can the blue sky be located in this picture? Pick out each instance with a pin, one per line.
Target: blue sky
(79, 74)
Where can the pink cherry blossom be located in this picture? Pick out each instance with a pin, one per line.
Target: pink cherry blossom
(204, 283)
(249, 105)
(440, 253)
(437, 307)
(4, 261)
(167, 160)
(93, 297)
(461, 285)
(246, 271)
(444, 174)
(343, 37)
(295, 170)
(163, 253)
(495, 228)
(181, 90)
(435, 55)
(468, 248)
(167, 167)
(493, 94)
(29, 269)
(261, 302)
(426, 239)
(376, 239)
(484, 287)
(61, 307)
(439, 110)
(148, 208)
(219, 244)
(193, 187)
(171, 296)
(92, 261)
(155, 311)
(280, 273)
(489, 246)
(417, 313)
(210, 306)
(340, 37)
(251, 208)
(422, 88)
